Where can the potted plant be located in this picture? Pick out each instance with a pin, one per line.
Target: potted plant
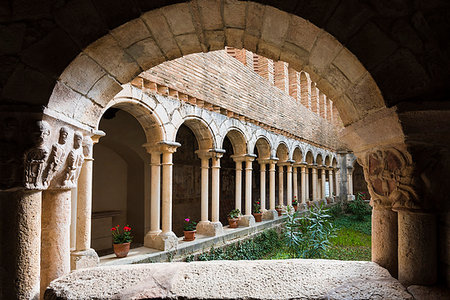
(279, 209)
(233, 218)
(257, 211)
(121, 240)
(295, 203)
(189, 229)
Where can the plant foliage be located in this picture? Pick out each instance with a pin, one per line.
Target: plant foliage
(124, 237)
(359, 208)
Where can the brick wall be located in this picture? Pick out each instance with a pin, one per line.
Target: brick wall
(220, 79)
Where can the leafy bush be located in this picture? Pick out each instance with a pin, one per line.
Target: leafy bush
(359, 208)
(308, 236)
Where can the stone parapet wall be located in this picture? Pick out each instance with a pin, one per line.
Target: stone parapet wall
(221, 80)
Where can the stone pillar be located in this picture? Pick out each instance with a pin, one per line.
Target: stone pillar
(238, 184)
(20, 220)
(262, 195)
(303, 180)
(314, 184)
(55, 235)
(307, 183)
(295, 182)
(350, 195)
(417, 252)
(384, 238)
(338, 187)
(152, 239)
(280, 185)
(84, 256)
(248, 219)
(330, 180)
(203, 227)
(289, 184)
(271, 213)
(216, 227)
(324, 180)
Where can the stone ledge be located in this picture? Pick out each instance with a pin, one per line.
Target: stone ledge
(263, 279)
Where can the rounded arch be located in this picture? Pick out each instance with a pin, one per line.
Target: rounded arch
(282, 152)
(309, 157)
(201, 130)
(334, 163)
(327, 161)
(263, 146)
(238, 141)
(319, 159)
(150, 122)
(297, 156)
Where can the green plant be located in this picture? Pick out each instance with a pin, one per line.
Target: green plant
(124, 237)
(359, 208)
(234, 214)
(256, 207)
(295, 201)
(189, 225)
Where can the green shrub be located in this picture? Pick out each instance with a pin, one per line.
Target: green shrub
(359, 208)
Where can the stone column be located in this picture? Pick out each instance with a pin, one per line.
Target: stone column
(238, 184)
(314, 184)
(262, 194)
(384, 238)
(307, 183)
(324, 180)
(271, 213)
(152, 239)
(303, 180)
(280, 185)
(350, 195)
(20, 220)
(55, 235)
(217, 227)
(330, 180)
(248, 219)
(338, 187)
(295, 181)
(84, 256)
(289, 184)
(417, 252)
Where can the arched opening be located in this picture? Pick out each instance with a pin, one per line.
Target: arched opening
(283, 156)
(309, 158)
(262, 151)
(119, 186)
(359, 183)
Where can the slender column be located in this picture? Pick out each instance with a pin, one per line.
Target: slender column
(324, 180)
(84, 256)
(20, 220)
(303, 181)
(289, 184)
(384, 238)
(248, 185)
(262, 167)
(350, 181)
(417, 252)
(338, 188)
(280, 185)
(238, 184)
(215, 177)
(155, 197)
(55, 236)
(330, 180)
(205, 189)
(295, 182)
(307, 183)
(314, 184)
(272, 185)
(167, 176)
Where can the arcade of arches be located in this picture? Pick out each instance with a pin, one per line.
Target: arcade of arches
(287, 124)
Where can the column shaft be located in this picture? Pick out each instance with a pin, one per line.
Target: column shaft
(272, 186)
(350, 181)
(295, 182)
(303, 180)
(167, 174)
(238, 193)
(263, 186)
(307, 183)
(280, 186)
(331, 185)
(314, 184)
(289, 184)
(384, 239)
(324, 180)
(248, 187)
(55, 235)
(205, 189)
(155, 196)
(215, 177)
(338, 182)
(84, 206)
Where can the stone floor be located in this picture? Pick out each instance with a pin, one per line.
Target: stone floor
(263, 279)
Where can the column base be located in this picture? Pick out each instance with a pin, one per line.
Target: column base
(150, 237)
(83, 259)
(247, 221)
(270, 215)
(166, 241)
(209, 228)
(350, 197)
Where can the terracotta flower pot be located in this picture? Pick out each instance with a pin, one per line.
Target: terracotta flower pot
(121, 250)
(258, 217)
(189, 235)
(279, 210)
(233, 223)
(295, 207)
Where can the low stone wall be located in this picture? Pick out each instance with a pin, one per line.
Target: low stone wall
(263, 279)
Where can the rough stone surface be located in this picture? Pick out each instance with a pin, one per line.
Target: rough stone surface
(428, 293)
(275, 279)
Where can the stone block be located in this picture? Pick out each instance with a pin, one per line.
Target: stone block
(130, 33)
(210, 14)
(104, 90)
(349, 65)
(167, 241)
(179, 18)
(365, 95)
(275, 25)
(234, 14)
(270, 215)
(247, 221)
(324, 51)
(83, 259)
(302, 33)
(146, 53)
(188, 43)
(215, 40)
(209, 228)
(234, 37)
(254, 19)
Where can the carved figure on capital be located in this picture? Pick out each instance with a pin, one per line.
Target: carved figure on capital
(36, 157)
(56, 156)
(74, 162)
(391, 180)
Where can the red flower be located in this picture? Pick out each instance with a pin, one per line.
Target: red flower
(113, 229)
(126, 228)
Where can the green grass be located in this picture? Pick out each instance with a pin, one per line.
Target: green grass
(352, 241)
